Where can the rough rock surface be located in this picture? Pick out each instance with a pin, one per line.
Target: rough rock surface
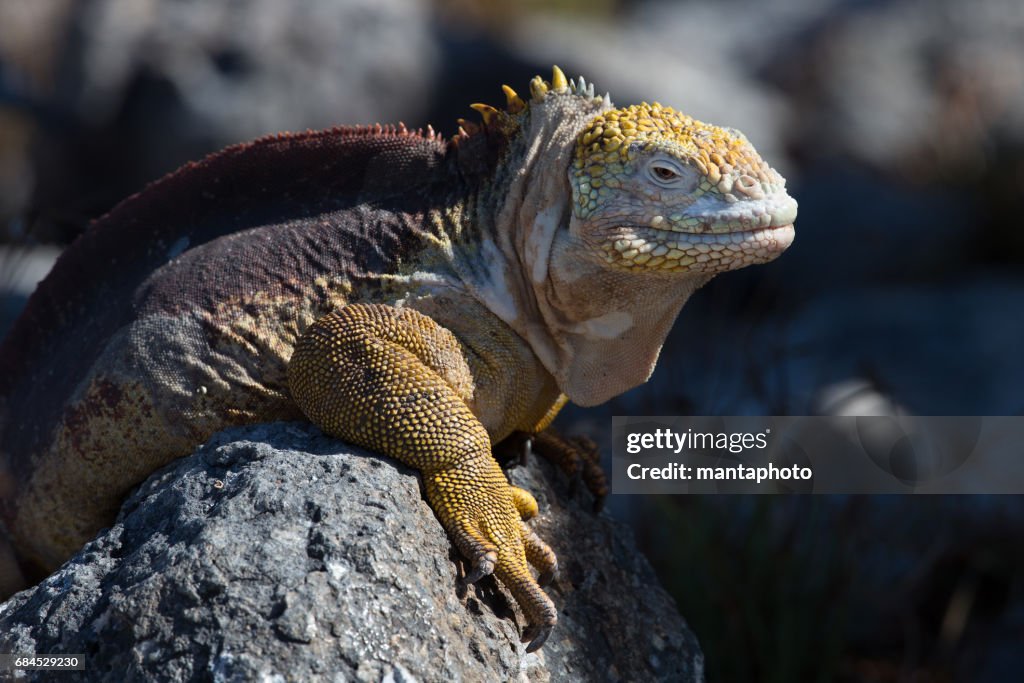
(275, 553)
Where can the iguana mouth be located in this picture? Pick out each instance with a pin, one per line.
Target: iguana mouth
(713, 216)
(726, 236)
(647, 248)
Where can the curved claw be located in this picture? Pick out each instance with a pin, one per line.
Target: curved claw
(515, 450)
(482, 566)
(536, 635)
(524, 455)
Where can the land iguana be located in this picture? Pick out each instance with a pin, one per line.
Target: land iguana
(421, 297)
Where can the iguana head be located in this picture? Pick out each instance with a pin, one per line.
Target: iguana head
(608, 220)
(656, 190)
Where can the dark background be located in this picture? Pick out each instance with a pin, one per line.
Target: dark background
(900, 127)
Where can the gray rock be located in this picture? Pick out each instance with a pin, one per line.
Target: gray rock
(276, 553)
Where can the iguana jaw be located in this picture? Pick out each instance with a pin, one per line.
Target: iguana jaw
(700, 239)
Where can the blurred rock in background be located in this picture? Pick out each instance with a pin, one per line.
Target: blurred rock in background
(31, 43)
(141, 86)
(900, 127)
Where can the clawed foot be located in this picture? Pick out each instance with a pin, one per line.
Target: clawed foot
(486, 521)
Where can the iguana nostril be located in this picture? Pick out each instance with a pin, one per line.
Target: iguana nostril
(749, 186)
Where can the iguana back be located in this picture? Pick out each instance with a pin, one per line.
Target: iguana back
(284, 227)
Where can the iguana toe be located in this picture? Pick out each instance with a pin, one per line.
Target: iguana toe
(540, 555)
(524, 502)
(513, 571)
(483, 565)
(472, 543)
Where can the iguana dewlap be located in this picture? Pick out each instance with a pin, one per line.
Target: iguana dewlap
(417, 296)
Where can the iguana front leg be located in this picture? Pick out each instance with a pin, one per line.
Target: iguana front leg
(394, 381)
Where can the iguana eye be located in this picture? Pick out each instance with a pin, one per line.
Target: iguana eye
(664, 173)
(668, 174)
